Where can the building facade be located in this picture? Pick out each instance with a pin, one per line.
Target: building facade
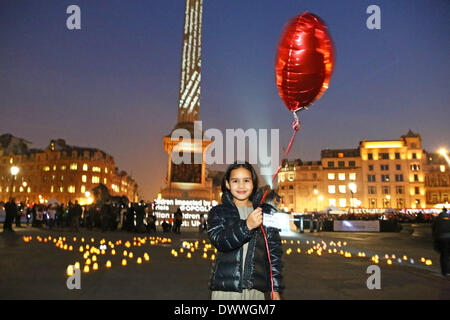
(62, 172)
(396, 174)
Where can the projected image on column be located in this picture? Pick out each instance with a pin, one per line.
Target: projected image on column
(187, 172)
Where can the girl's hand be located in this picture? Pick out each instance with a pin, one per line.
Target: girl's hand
(255, 219)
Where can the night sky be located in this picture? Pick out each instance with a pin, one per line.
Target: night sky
(114, 84)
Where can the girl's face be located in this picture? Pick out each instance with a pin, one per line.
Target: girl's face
(240, 185)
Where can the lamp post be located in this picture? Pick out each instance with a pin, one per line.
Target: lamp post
(352, 188)
(14, 172)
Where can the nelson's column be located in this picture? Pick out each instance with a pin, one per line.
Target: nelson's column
(188, 180)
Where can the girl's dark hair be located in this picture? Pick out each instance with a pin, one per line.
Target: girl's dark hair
(237, 165)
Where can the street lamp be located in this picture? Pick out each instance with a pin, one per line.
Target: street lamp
(316, 192)
(320, 199)
(14, 172)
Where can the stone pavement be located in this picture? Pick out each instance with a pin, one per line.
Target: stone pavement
(37, 270)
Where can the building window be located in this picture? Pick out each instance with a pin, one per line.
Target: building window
(341, 176)
(332, 202)
(83, 189)
(331, 176)
(384, 156)
(399, 177)
(83, 178)
(371, 167)
(351, 164)
(372, 203)
(71, 189)
(386, 203)
(414, 155)
(385, 189)
(314, 176)
(342, 203)
(416, 177)
(331, 189)
(291, 199)
(372, 190)
(46, 168)
(96, 169)
(385, 178)
(105, 181)
(384, 167)
(85, 167)
(341, 164)
(442, 168)
(73, 166)
(371, 178)
(106, 170)
(63, 168)
(400, 190)
(291, 187)
(331, 164)
(370, 156)
(352, 176)
(416, 190)
(95, 179)
(342, 189)
(397, 155)
(434, 198)
(398, 167)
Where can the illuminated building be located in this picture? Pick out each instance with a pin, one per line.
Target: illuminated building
(65, 173)
(396, 174)
(437, 180)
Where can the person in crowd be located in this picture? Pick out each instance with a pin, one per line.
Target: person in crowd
(51, 215)
(10, 214)
(140, 215)
(441, 240)
(241, 270)
(28, 215)
(178, 221)
(75, 215)
(165, 226)
(170, 223)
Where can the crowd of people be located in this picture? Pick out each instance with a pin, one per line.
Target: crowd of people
(397, 216)
(132, 217)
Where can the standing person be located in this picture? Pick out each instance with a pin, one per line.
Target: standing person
(10, 214)
(170, 223)
(241, 269)
(76, 215)
(441, 238)
(19, 215)
(39, 216)
(28, 215)
(52, 215)
(178, 221)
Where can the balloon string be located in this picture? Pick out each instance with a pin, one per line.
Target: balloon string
(295, 127)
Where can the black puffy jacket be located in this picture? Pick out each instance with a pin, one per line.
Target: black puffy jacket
(228, 233)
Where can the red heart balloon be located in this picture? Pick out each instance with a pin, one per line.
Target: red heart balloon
(304, 61)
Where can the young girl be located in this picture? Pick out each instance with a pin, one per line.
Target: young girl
(241, 269)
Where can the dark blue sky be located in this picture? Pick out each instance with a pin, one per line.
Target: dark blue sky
(114, 83)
